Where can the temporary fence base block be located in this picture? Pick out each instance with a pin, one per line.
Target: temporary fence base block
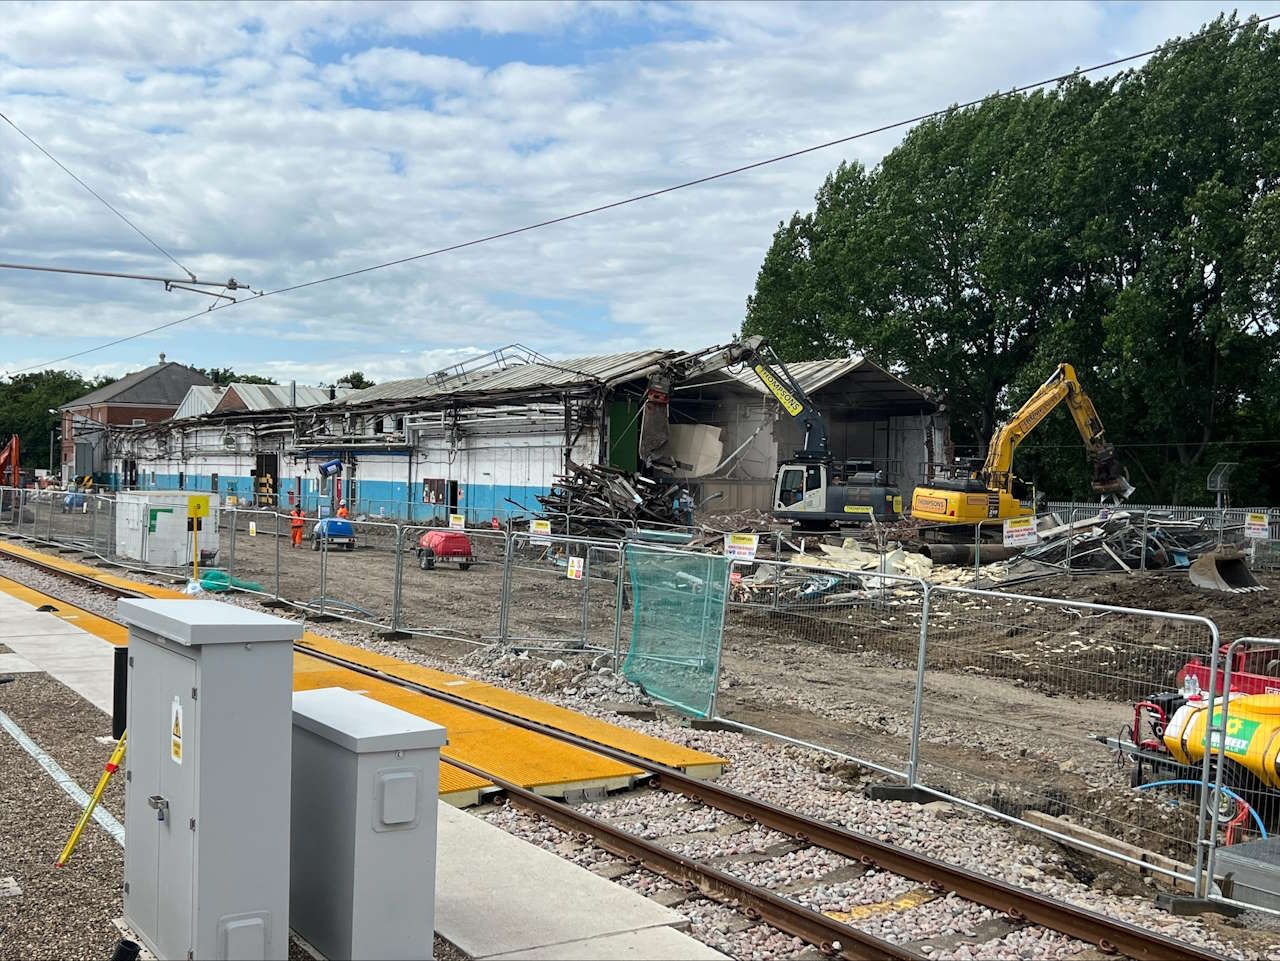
(640, 712)
(321, 618)
(898, 792)
(393, 635)
(1184, 905)
(709, 724)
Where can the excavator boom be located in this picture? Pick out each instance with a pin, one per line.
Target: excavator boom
(9, 474)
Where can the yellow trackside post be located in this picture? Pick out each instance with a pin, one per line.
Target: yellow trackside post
(197, 507)
(113, 764)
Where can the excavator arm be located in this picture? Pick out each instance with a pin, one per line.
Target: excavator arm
(1062, 386)
(9, 474)
(766, 365)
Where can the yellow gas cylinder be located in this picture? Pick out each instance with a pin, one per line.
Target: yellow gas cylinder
(1252, 739)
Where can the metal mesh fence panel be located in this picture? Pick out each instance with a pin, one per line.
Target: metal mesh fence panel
(823, 656)
(561, 592)
(10, 509)
(247, 555)
(455, 595)
(1244, 802)
(358, 562)
(1028, 704)
(677, 619)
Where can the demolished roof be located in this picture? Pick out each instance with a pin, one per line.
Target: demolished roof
(850, 381)
(575, 372)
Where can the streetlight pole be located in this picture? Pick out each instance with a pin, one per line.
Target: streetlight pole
(52, 431)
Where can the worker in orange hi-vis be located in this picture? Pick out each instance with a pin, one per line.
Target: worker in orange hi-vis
(297, 519)
(342, 509)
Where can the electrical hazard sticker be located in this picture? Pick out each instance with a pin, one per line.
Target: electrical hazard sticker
(175, 730)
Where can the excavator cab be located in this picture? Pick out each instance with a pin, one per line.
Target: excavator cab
(819, 495)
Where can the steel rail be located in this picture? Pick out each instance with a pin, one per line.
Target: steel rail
(1108, 934)
(831, 936)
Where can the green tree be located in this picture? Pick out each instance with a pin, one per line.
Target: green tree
(1129, 226)
(25, 402)
(222, 376)
(355, 380)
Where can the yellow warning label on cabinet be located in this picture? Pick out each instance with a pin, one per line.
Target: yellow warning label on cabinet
(175, 731)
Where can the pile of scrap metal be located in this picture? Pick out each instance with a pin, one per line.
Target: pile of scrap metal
(1117, 540)
(603, 501)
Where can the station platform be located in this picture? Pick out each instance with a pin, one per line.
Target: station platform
(479, 866)
(535, 761)
(498, 897)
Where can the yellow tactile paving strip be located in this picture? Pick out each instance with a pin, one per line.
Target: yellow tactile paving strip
(117, 634)
(696, 763)
(97, 573)
(693, 762)
(524, 757)
(536, 761)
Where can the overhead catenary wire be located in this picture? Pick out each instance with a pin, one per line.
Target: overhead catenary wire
(648, 195)
(138, 230)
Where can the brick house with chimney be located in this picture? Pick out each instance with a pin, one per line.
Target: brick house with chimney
(142, 397)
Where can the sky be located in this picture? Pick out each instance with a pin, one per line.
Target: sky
(281, 143)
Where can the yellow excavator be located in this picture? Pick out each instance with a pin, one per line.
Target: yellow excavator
(991, 493)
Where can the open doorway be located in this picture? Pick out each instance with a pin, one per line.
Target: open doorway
(265, 477)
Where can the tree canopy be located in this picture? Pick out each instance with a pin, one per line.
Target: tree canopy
(25, 402)
(222, 376)
(355, 380)
(1129, 226)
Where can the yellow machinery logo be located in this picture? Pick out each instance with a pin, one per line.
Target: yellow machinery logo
(857, 509)
(785, 397)
(936, 505)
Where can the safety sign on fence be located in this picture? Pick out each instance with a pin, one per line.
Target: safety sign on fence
(540, 530)
(457, 522)
(575, 568)
(741, 547)
(1020, 532)
(1256, 526)
(253, 528)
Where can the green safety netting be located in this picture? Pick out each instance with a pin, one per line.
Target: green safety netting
(677, 610)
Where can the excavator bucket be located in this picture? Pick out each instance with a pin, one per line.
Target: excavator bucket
(1224, 570)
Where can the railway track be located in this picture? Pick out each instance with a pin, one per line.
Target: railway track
(832, 936)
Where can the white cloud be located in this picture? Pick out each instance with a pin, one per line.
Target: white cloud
(284, 142)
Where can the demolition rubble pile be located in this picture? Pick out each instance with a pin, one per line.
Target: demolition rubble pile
(603, 501)
(1114, 542)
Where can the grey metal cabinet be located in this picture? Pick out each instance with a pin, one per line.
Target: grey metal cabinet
(365, 787)
(207, 779)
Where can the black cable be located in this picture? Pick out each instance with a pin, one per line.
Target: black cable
(666, 190)
(104, 202)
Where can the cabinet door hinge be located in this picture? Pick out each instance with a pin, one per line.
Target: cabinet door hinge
(126, 887)
(193, 694)
(191, 823)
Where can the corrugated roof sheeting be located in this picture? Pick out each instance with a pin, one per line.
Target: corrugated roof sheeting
(574, 372)
(274, 396)
(199, 400)
(814, 375)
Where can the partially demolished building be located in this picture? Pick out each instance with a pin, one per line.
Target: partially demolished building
(486, 437)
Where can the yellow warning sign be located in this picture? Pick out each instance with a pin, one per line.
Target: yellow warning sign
(175, 731)
(198, 505)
